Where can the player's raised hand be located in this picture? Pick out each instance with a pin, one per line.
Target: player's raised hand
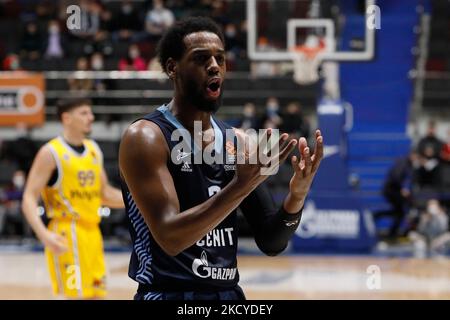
(251, 168)
(305, 168)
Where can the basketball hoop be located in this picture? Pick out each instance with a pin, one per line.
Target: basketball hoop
(307, 59)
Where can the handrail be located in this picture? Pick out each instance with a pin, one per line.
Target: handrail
(116, 74)
(149, 93)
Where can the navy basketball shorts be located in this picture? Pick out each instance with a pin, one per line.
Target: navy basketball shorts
(235, 293)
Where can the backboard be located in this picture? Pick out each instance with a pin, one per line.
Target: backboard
(275, 27)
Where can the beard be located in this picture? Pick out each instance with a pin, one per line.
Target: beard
(196, 97)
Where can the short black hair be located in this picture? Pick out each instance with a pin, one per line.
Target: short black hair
(70, 104)
(171, 44)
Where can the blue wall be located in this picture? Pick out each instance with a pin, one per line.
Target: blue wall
(380, 92)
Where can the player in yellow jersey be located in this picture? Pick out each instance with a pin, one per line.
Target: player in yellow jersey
(68, 173)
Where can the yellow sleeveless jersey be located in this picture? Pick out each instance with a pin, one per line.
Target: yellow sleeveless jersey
(76, 195)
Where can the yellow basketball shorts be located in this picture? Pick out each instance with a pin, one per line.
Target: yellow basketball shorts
(80, 272)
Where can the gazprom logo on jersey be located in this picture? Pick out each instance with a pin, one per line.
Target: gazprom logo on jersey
(201, 269)
(320, 223)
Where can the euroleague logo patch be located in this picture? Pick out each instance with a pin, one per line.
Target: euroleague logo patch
(229, 146)
(231, 156)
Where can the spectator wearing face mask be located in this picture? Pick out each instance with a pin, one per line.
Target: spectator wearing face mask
(126, 22)
(271, 118)
(97, 64)
(12, 63)
(429, 147)
(133, 61)
(231, 45)
(31, 42)
(432, 231)
(158, 20)
(249, 118)
(100, 85)
(231, 40)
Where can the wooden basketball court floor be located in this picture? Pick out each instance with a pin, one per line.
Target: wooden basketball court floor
(24, 276)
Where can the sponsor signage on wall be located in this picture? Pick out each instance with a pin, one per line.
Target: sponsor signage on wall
(22, 98)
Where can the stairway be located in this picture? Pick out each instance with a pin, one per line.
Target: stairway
(380, 92)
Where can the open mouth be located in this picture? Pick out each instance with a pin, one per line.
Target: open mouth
(213, 88)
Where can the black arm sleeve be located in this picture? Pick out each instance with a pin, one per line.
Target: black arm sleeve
(273, 227)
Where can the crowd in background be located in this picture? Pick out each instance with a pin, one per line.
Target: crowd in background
(123, 32)
(417, 187)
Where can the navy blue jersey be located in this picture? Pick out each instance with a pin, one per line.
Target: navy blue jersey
(211, 262)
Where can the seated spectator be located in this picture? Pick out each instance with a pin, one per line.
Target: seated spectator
(54, 41)
(31, 42)
(231, 39)
(100, 85)
(429, 148)
(97, 64)
(271, 118)
(430, 145)
(83, 86)
(249, 118)
(158, 20)
(397, 190)
(232, 46)
(432, 231)
(106, 20)
(102, 39)
(133, 61)
(126, 22)
(293, 121)
(12, 63)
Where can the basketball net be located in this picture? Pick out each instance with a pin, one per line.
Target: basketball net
(307, 59)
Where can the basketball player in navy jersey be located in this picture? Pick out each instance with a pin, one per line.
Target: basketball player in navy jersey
(183, 214)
